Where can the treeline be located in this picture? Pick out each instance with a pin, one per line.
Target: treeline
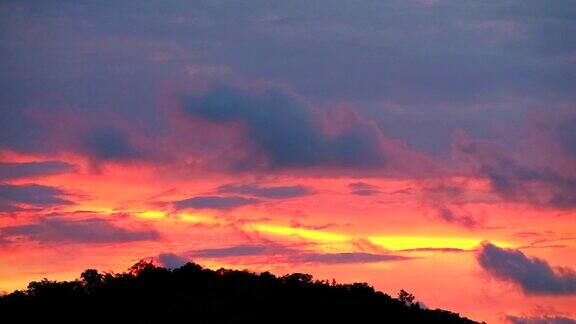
(190, 294)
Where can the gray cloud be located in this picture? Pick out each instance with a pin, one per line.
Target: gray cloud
(215, 202)
(14, 170)
(534, 276)
(91, 230)
(277, 192)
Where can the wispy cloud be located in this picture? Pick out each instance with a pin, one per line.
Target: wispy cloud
(363, 189)
(215, 202)
(12, 196)
(53, 229)
(275, 192)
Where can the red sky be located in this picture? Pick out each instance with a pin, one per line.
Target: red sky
(420, 145)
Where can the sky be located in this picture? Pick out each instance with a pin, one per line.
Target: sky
(425, 145)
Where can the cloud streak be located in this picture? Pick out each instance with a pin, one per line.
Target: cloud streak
(215, 202)
(233, 251)
(363, 189)
(90, 230)
(297, 256)
(274, 192)
(12, 196)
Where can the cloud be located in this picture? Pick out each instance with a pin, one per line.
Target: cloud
(363, 189)
(233, 251)
(450, 216)
(534, 276)
(11, 196)
(286, 130)
(276, 192)
(25, 170)
(171, 260)
(108, 144)
(539, 320)
(92, 230)
(518, 181)
(350, 257)
(215, 202)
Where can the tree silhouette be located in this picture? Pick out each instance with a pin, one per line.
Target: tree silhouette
(91, 279)
(191, 294)
(405, 297)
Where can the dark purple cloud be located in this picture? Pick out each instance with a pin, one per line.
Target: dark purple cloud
(31, 195)
(66, 130)
(534, 276)
(14, 170)
(91, 230)
(363, 189)
(517, 181)
(108, 144)
(459, 218)
(215, 202)
(286, 130)
(276, 192)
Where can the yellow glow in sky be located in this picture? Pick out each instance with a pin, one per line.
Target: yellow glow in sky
(197, 218)
(393, 243)
(396, 243)
(302, 232)
(152, 214)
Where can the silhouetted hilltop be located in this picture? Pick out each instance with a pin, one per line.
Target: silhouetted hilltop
(191, 294)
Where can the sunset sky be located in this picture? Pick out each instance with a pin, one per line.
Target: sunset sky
(425, 145)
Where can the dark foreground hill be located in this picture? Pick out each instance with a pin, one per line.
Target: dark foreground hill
(191, 294)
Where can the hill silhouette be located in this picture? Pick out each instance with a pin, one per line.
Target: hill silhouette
(191, 294)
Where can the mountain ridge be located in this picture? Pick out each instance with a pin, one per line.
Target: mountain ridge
(147, 293)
